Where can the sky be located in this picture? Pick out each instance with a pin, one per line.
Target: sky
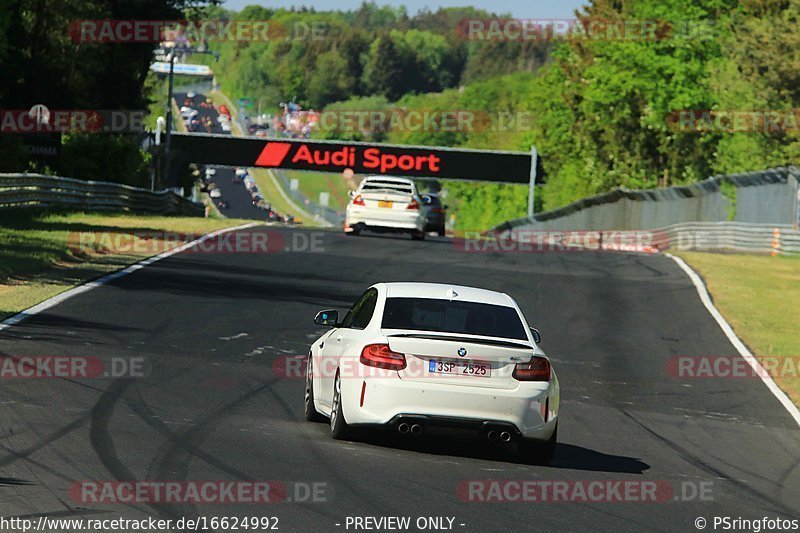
(531, 9)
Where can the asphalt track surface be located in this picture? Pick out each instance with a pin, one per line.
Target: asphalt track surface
(213, 406)
(237, 197)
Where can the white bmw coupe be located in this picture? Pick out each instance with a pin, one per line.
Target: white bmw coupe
(420, 357)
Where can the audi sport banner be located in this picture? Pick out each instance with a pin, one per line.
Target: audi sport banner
(361, 158)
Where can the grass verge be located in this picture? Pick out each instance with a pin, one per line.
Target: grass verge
(266, 185)
(41, 257)
(313, 183)
(760, 297)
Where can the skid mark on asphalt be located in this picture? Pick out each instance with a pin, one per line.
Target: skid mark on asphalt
(336, 473)
(169, 459)
(23, 454)
(103, 443)
(718, 474)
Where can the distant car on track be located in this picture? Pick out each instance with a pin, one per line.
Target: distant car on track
(434, 214)
(420, 357)
(385, 204)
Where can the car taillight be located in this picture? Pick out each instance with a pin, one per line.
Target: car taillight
(537, 369)
(413, 204)
(358, 200)
(381, 356)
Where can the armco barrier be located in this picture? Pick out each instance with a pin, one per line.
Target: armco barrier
(733, 236)
(753, 212)
(701, 236)
(36, 190)
(763, 197)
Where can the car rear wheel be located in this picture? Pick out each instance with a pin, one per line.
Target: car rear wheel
(538, 452)
(311, 413)
(355, 230)
(418, 235)
(340, 429)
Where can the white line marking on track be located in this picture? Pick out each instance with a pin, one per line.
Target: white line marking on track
(702, 291)
(232, 337)
(86, 287)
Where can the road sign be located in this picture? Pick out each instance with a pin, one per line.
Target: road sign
(184, 69)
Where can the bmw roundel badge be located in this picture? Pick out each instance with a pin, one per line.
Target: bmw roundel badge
(462, 352)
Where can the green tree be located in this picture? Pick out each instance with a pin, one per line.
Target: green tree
(383, 70)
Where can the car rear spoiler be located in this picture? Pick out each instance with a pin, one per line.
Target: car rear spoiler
(473, 340)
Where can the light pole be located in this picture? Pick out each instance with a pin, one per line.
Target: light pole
(532, 182)
(168, 132)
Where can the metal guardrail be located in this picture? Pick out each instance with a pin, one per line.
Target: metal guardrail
(732, 236)
(762, 197)
(36, 190)
(699, 236)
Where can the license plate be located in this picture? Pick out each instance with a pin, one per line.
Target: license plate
(384, 203)
(459, 368)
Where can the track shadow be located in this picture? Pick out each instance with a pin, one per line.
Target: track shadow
(567, 457)
(401, 237)
(245, 287)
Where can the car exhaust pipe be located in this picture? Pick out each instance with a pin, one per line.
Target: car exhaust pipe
(402, 428)
(505, 436)
(416, 429)
(492, 435)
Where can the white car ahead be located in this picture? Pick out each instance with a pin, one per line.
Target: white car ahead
(385, 204)
(422, 357)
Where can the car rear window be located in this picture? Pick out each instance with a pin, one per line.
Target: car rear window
(384, 185)
(473, 318)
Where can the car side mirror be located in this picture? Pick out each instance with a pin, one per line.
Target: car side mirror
(446, 207)
(426, 199)
(352, 194)
(328, 317)
(537, 337)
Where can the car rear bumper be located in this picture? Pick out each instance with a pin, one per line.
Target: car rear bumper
(385, 219)
(529, 411)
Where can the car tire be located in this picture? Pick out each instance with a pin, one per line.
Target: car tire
(538, 452)
(310, 412)
(418, 235)
(340, 429)
(355, 231)
(440, 231)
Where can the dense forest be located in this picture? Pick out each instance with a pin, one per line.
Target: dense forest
(321, 58)
(603, 110)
